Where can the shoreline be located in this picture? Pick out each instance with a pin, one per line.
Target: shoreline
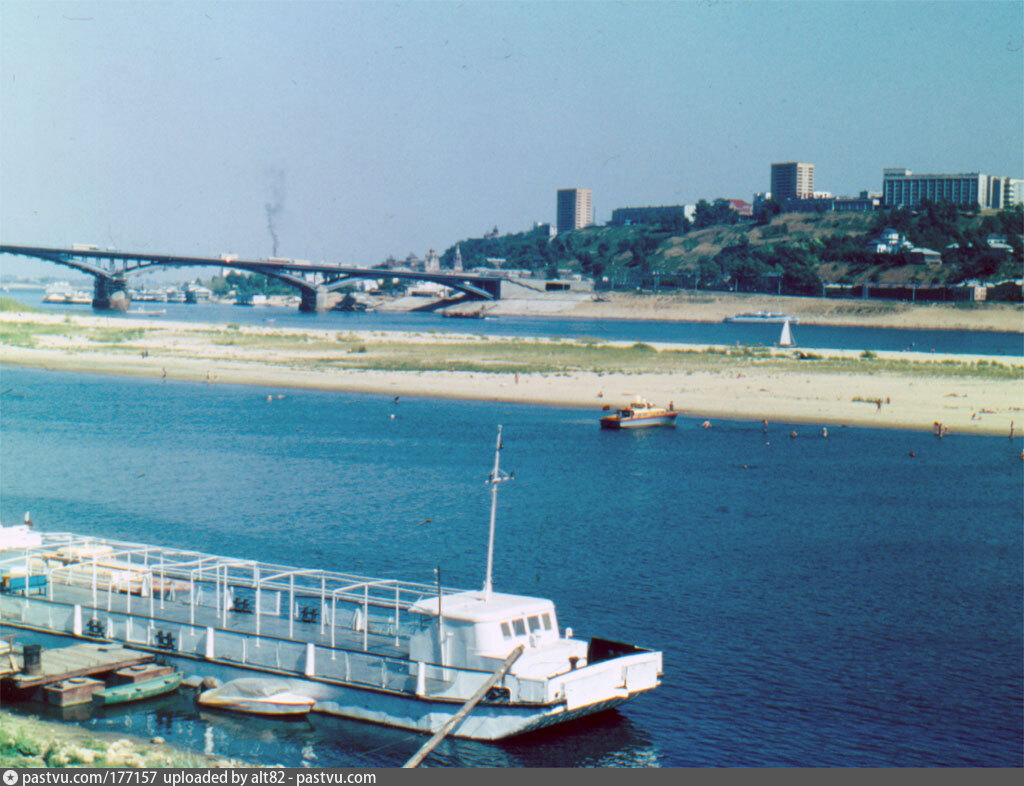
(911, 391)
(714, 307)
(29, 741)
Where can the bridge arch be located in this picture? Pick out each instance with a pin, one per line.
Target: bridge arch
(109, 282)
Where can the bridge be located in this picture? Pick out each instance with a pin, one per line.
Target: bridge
(314, 281)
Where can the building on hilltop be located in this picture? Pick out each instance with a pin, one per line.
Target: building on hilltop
(792, 180)
(821, 203)
(1014, 191)
(741, 207)
(433, 264)
(902, 188)
(664, 214)
(573, 209)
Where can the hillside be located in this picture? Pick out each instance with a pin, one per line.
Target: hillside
(794, 253)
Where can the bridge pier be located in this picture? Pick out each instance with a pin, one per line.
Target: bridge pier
(314, 300)
(108, 294)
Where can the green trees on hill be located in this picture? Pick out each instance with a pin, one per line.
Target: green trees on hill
(246, 285)
(720, 212)
(962, 241)
(744, 267)
(522, 251)
(781, 255)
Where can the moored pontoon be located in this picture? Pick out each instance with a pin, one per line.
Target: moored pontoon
(399, 653)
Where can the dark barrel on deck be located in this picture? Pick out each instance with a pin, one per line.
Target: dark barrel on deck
(33, 659)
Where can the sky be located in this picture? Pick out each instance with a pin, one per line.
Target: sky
(348, 132)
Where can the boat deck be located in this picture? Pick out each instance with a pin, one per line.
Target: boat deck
(169, 614)
(339, 627)
(79, 660)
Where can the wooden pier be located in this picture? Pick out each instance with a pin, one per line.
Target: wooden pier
(65, 675)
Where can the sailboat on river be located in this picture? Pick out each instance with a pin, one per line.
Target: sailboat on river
(399, 653)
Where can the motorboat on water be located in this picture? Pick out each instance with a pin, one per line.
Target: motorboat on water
(258, 697)
(763, 316)
(640, 414)
(411, 655)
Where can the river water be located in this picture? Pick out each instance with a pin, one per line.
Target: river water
(819, 601)
(807, 336)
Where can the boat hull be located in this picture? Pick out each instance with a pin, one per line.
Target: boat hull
(137, 691)
(615, 422)
(486, 721)
(772, 320)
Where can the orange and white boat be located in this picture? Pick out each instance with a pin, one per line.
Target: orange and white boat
(640, 414)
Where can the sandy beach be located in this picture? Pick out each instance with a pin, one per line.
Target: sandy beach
(967, 394)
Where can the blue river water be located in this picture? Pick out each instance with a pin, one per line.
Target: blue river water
(807, 336)
(819, 601)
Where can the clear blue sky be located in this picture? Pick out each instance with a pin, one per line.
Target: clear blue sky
(383, 128)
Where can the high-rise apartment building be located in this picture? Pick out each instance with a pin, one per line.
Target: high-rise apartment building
(573, 209)
(902, 188)
(792, 180)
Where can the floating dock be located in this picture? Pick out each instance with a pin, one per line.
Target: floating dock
(399, 653)
(65, 675)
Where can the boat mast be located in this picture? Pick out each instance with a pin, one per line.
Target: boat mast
(497, 476)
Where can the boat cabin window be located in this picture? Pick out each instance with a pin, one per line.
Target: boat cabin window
(547, 621)
(519, 626)
(534, 623)
(506, 631)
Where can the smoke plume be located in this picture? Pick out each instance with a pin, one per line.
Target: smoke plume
(275, 206)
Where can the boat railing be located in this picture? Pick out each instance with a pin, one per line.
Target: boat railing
(264, 652)
(170, 564)
(161, 575)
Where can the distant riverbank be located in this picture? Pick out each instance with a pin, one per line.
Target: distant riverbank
(716, 306)
(966, 394)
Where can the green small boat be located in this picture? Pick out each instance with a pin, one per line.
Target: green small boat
(135, 691)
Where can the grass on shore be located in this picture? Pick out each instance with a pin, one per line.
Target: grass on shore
(12, 305)
(29, 742)
(379, 352)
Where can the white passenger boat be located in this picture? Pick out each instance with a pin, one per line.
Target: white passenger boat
(763, 316)
(403, 654)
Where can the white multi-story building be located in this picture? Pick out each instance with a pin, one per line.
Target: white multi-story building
(902, 188)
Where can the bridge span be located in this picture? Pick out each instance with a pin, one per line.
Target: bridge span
(315, 281)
